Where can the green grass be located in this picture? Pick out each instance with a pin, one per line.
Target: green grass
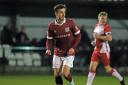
(49, 80)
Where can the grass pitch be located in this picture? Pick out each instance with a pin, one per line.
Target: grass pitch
(49, 80)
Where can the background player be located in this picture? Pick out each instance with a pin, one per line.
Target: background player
(102, 34)
(66, 36)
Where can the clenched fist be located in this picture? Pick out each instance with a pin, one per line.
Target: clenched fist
(48, 52)
(71, 51)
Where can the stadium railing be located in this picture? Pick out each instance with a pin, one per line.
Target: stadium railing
(22, 60)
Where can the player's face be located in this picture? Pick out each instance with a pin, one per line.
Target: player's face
(102, 19)
(60, 14)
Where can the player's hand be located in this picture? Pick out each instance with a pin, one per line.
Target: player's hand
(93, 43)
(108, 38)
(71, 51)
(48, 52)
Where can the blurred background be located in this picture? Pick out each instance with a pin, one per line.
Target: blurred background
(23, 25)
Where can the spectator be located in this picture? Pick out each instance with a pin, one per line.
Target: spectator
(85, 38)
(7, 36)
(34, 42)
(21, 37)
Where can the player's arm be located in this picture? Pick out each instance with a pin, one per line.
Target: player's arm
(76, 40)
(107, 37)
(76, 32)
(48, 46)
(49, 42)
(77, 37)
(93, 42)
(75, 44)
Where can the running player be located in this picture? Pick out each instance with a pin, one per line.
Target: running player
(101, 53)
(66, 36)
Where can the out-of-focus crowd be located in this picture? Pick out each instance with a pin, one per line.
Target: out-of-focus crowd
(19, 37)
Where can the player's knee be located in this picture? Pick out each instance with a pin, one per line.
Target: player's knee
(66, 73)
(108, 69)
(92, 69)
(58, 80)
(55, 74)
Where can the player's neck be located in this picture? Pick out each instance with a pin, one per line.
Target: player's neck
(101, 24)
(60, 22)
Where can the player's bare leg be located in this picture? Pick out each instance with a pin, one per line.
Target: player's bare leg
(114, 73)
(57, 76)
(67, 74)
(92, 72)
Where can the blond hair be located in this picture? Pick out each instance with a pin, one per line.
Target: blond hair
(102, 13)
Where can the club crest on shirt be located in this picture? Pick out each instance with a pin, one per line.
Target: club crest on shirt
(67, 29)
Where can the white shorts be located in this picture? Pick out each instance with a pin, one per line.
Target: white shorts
(57, 61)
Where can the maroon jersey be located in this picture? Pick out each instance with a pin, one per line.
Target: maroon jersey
(66, 36)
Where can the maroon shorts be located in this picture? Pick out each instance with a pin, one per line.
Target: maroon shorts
(100, 57)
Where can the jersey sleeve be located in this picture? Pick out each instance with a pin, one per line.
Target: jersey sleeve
(74, 28)
(49, 33)
(76, 31)
(49, 38)
(107, 30)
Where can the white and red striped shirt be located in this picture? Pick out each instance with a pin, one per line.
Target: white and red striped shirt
(102, 46)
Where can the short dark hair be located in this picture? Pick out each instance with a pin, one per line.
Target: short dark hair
(59, 6)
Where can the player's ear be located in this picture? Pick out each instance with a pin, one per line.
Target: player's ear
(55, 13)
